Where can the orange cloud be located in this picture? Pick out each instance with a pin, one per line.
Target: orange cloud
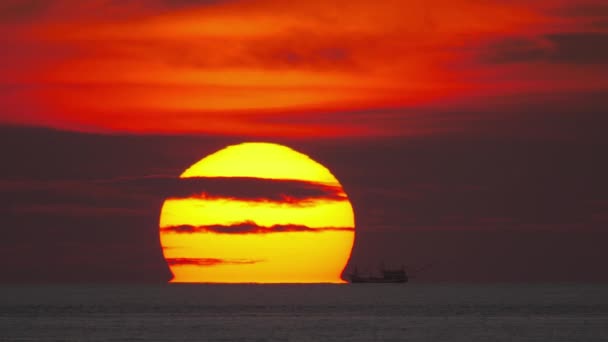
(228, 66)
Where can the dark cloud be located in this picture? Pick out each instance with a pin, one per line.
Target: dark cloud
(73, 198)
(59, 209)
(582, 10)
(43, 154)
(193, 3)
(547, 115)
(249, 227)
(601, 24)
(307, 51)
(70, 248)
(580, 48)
(26, 11)
(237, 188)
(514, 50)
(48, 172)
(20, 10)
(254, 189)
(208, 262)
(570, 48)
(131, 196)
(328, 55)
(286, 50)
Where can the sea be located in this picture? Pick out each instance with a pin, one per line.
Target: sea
(322, 312)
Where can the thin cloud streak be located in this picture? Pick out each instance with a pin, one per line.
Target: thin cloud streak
(256, 190)
(249, 227)
(209, 262)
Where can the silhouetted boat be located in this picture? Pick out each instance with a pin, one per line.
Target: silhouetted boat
(388, 276)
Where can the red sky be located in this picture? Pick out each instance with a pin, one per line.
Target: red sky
(468, 132)
(340, 68)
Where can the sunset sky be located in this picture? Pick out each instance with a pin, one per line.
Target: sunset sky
(298, 228)
(468, 134)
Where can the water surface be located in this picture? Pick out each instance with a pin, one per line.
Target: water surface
(366, 312)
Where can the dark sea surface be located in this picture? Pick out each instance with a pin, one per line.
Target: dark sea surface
(365, 312)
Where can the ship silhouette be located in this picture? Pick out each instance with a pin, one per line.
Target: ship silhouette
(388, 276)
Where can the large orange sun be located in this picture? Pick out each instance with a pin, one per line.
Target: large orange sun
(257, 213)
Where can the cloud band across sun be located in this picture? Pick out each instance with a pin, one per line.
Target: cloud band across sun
(256, 190)
(250, 228)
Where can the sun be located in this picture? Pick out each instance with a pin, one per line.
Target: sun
(257, 213)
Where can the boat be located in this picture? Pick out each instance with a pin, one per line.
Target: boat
(388, 276)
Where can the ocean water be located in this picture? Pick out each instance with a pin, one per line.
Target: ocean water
(362, 312)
